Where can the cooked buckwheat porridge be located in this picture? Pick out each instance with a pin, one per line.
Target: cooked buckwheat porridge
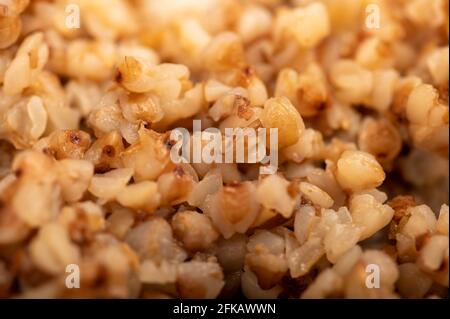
(93, 204)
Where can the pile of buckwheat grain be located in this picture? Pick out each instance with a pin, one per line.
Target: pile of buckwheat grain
(357, 89)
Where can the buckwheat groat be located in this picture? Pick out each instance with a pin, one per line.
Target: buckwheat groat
(195, 230)
(358, 170)
(348, 200)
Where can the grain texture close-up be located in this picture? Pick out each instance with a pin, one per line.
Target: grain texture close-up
(238, 149)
